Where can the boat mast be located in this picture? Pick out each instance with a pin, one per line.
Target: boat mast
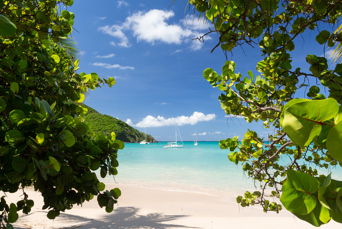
(176, 132)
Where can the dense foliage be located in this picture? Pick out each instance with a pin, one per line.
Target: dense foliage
(307, 132)
(44, 142)
(105, 124)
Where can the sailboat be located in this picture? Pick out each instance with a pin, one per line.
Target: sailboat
(175, 143)
(144, 142)
(196, 144)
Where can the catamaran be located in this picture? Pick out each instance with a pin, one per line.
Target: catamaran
(175, 144)
(144, 142)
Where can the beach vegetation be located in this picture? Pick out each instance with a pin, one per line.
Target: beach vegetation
(304, 144)
(45, 143)
(101, 124)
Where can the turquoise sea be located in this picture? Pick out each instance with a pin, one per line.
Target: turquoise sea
(201, 169)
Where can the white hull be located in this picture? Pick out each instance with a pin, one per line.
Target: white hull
(144, 143)
(195, 144)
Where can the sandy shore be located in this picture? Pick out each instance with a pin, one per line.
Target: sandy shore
(151, 208)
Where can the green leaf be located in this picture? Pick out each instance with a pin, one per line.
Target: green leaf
(23, 64)
(19, 164)
(268, 40)
(55, 163)
(323, 36)
(297, 193)
(207, 72)
(16, 116)
(312, 217)
(325, 215)
(82, 128)
(116, 193)
(14, 87)
(55, 58)
(286, 65)
(303, 121)
(7, 28)
(13, 137)
(59, 189)
(67, 138)
(334, 142)
(13, 215)
(40, 138)
(3, 104)
(101, 186)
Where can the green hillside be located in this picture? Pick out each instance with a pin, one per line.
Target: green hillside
(105, 124)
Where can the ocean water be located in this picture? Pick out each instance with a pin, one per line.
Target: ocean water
(200, 169)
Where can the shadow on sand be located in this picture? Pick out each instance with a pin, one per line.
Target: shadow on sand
(121, 218)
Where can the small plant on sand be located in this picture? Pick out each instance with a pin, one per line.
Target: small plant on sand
(44, 142)
(307, 131)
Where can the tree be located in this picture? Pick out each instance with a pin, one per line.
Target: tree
(45, 143)
(307, 131)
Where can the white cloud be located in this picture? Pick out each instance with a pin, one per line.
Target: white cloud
(102, 18)
(109, 66)
(81, 53)
(150, 121)
(122, 3)
(106, 56)
(149, 27)
(217, 132)
(177, 51)
(234, 116)
(204, 133)
(163, 103)
(195, 23)
(116, 31)
(129, 122)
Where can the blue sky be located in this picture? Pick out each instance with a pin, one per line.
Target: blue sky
(148, 48)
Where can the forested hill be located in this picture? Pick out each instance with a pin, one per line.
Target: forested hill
(105, 124)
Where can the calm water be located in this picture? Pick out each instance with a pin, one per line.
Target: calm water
(204, 169)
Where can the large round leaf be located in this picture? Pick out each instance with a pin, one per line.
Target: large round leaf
(67, 138)
(303, 121)
(334, 142)
(297, 193)
(16, 116)
(13, 137)
(7, 28)
(19, 164)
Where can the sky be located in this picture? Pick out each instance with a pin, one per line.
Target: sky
(149, 49)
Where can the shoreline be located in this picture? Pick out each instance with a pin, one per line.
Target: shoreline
(142, 207)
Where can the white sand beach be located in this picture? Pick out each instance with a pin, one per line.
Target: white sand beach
(141, 207)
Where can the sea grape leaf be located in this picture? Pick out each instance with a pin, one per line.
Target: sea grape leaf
(13, 137)
(303, 121)
(101, 186)
(12, 215)
(116, 193)
(334, 142)
(67, 138)
(294, 101)
(313, 216)
(19, 164)
(14, 87)
(3, 104)
(297, 193)
(55, 58)
(55, 163)
(40, 138)
(16, 116)
(7, 28)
